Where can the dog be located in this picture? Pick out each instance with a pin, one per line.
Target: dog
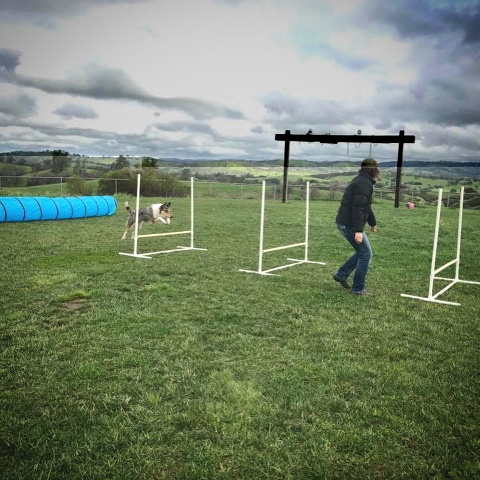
(151, 214)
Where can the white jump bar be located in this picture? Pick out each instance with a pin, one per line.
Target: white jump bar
(284, 247)
(164, 234)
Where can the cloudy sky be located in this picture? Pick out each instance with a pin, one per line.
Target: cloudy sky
(218, 78)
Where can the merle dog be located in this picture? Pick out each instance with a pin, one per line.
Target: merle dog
(151, 214)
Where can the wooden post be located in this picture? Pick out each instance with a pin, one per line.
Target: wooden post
(286, 158)
(399, 168)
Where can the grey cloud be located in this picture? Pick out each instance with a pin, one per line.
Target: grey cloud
(442, 103)
(460, 143)
(18, 106)
(285, 111)
(445, 93)
(453, 103)
(231, 2)
(442, 106)
(44, 12)
(59, 130)
(96, 81)
(310, 42)
(445, 51)
(184, 126)
(71, 110)
(436, 106)
(352, 62)
(257, 129)
(9, 60)
(450, 138)
(420, 18)
(110, 143)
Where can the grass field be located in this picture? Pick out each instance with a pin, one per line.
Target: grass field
(182, 367)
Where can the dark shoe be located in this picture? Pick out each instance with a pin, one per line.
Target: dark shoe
(341, 281)
(363, 293)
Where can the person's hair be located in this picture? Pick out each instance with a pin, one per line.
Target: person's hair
(372, 171)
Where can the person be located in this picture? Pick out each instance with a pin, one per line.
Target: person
(354, 212)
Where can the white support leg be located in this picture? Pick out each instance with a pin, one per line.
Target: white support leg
(135, 234)
(137, 209)
(435, 244)
(307, 222)
(192, 224)
(260, 246)
(459, 233)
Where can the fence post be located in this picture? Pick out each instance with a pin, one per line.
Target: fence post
(61, 186)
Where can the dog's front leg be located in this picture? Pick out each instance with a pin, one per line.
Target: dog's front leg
(124, 236)
(140, 225)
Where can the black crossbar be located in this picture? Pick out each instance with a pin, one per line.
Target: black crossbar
(295, 137)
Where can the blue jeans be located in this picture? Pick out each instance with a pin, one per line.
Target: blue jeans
(359, 261)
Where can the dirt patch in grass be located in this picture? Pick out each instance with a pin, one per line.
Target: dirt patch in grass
(75, 304)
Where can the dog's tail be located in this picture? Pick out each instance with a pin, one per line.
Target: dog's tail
(127, 207)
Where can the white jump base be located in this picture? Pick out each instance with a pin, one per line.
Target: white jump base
(262, 250)
(185, 232)
(434, 271)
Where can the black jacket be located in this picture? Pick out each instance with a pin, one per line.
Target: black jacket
(356, 206)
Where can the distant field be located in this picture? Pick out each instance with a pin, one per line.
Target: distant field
(182, 367)
(52, 190)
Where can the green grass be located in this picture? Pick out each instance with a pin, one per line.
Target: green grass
(182, 367)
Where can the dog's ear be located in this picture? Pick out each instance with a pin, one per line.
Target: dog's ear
(168, 204)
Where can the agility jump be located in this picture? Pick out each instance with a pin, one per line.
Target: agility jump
(185, 232)
(456, 261)
(262, 251)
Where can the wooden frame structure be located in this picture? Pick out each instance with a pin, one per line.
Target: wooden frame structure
(288, 137)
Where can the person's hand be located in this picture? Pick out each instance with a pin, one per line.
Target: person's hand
(373, 229)
(359, 237)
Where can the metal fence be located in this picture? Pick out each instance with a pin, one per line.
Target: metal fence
(333, 190)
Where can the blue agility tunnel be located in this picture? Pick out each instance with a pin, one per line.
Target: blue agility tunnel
(27, 209)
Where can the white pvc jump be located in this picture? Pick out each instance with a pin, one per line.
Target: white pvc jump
(262, 251)
(434, 271)
(185, 232)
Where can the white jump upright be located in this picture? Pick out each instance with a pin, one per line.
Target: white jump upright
(185, 232)
(262, 251)
(456, 261)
